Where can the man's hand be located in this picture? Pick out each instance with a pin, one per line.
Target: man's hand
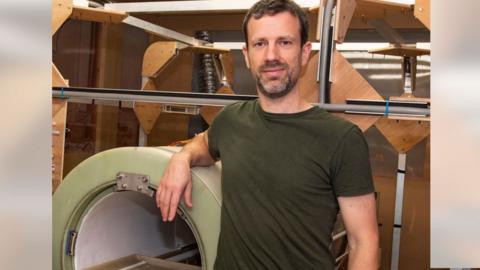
(176, 180)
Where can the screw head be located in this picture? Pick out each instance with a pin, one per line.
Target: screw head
(139, 188)
(144, 179)
(124, 186)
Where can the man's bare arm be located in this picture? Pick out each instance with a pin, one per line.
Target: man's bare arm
(359, 216)
(177, 180)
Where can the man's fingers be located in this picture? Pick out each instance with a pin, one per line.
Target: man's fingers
(173, 205)
(165, 204)
(187, 196)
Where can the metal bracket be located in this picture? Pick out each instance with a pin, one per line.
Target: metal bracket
(134, 182)
(182, 109)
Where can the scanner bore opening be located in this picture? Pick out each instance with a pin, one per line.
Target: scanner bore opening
(126, 223)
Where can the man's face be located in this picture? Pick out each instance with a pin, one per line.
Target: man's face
(274, 55)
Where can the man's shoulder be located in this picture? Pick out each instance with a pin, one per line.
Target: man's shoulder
(239, 107)
(335, 124)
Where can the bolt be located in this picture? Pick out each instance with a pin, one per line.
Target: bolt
(124, 186)
(420, 9)
(120, 176)
(139, 188)
(144, 179)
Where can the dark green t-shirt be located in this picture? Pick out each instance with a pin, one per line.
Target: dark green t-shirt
(281, 175)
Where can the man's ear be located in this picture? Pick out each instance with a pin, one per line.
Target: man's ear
(306, 49)
(245, 55)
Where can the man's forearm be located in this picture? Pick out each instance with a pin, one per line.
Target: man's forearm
(196, 152)
(364, 256)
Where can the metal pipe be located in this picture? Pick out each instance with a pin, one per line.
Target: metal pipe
(205, 99)
(325, 52)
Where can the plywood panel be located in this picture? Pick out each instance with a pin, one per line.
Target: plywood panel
(210, 112)
(403, 134)
(97, 15)
(177, 76)
(109, 66)
(156, 56)
(348, 83)
(147, 113)
(422, 11)
(59, 117)
(397, 16)
(61, 10)
(345, 9)
(57, 78)
(307, 83)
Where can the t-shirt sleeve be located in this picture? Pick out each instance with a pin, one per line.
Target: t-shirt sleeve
(214, 135)
(350, 166)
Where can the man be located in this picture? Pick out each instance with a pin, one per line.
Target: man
(288, 167)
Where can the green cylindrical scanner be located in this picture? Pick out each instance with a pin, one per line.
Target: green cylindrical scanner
(104, 213)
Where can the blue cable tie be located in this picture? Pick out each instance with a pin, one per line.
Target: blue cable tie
(61, 93)
(387, 106)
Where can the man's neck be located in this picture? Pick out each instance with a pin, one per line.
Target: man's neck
(290, 103)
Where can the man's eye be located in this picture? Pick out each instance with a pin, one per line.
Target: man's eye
(259, 44)
(285, 42)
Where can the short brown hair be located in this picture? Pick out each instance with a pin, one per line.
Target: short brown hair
(272, 7)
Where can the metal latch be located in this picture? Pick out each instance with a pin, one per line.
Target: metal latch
(134, 182)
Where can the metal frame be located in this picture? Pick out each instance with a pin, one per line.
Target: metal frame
(162, 31)
(326, 48)
(202, 99)
(397, 222)
(177, 7)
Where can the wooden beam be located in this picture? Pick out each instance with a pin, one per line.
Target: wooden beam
(345, 10)
(61, 10)
(158, 55)
(422, 11)
(403, 134)
(97, 15)
(57, 78)
(348, 83)
(109, 71)
(59, 118)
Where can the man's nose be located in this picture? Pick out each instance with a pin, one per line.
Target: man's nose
(272, 52)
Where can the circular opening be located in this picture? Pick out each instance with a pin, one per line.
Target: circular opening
(129, 223)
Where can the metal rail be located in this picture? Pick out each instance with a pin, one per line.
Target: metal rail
(203, 99)
(325, 53)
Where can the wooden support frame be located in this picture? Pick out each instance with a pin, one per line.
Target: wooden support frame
(343, 17)
(57, 78)
(97, 15)
(403, 134)
(59, 119)
(61, 10)
(422, 11)
(349, 83)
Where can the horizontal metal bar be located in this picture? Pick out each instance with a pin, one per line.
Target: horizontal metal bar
(162, 31)
(177, 7)
(203, 99)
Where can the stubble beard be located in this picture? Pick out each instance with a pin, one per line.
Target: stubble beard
(276, 87)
